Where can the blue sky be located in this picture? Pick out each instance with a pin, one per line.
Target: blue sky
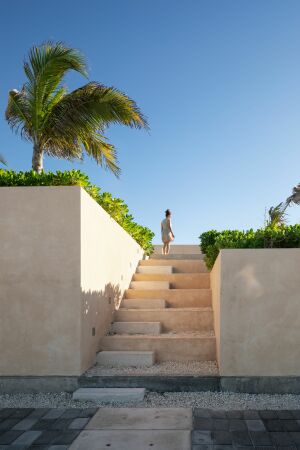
(219, 82)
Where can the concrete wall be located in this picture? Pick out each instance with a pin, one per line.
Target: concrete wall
(64, 263)
(256, 301)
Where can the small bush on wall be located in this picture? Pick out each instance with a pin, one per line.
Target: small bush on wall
(213, 241)
(115, 207)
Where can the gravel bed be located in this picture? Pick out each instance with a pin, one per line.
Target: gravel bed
(212, 400)
(163, 368)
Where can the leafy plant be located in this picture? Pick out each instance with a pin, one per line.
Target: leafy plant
(277, 215)
(283, 236)
(115, 207)
(63, 124)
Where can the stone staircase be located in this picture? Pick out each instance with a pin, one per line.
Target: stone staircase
(166, 314)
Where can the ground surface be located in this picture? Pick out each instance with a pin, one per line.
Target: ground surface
(146, 428)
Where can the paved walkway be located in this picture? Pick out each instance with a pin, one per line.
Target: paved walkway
(146, 428)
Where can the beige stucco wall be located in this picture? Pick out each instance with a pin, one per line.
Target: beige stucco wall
(109, 257)
(61, 259)
(257, 311)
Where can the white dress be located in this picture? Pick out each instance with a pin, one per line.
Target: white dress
(166, 231)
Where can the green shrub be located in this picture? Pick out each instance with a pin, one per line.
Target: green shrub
(213, 241)
(115, 207)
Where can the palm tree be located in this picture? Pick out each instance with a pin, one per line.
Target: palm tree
(295, 197)
(64, 124)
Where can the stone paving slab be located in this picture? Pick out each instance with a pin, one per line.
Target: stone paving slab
(133, 440)
(142, 418)
(138, 428)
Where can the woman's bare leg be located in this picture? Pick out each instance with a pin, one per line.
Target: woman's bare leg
(167, 248)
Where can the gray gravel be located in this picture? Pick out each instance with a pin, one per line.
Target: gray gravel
(163, 368)
(213, 400)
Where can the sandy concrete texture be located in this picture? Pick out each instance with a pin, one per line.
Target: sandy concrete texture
(256, 302)
(64, 265)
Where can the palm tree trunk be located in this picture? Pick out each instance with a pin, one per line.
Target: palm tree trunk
(37, 158)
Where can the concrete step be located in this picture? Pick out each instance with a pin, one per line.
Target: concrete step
(107, 395)
(168, 347)
(149, 285)
(154, 269)
(135, 327)
(179, 266)
(172, 256)
(124, 357)
(178, 280)
(143, 303)
(171, 319)
(175, 298)
(179, 248)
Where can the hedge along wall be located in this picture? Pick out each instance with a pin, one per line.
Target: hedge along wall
(115, 207)
(213, 241)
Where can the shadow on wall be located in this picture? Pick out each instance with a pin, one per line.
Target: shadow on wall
(96, 317)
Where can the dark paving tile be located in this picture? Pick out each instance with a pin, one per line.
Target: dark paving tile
(203, 447)
(296, 413)
(203, 424)
(79, 423)
(268, 414)
(66, 437)
(26, 424)
(61, 424)
(218, 414)
(47, 437)
(223, 447)
(286, 447)
(291, 425)
(295, 437)
(237, 425)
(281, 438)
(71, 413)
(285, 414)
(203, 413)
(43, 424)
(241, 438)
(235, 414)
(251, 415)
(255, 425)
(265, 447)
(88, 412)
(5, 413)
(273, 425)
(9, 436)
(202, 437)
(38, 412)
(20, 413)
(260, 438)
(221, 424)
(7, 424)
(58, 447)
(222, 438)
(27, 438)
(54, 413)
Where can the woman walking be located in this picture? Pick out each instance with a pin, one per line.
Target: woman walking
(167, 234)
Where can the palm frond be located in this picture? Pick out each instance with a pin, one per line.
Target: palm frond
(18, 114)
(93, 107)
(102, 152)
(277, 215)
(295, 197)
(46, 66)
(2, 160)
